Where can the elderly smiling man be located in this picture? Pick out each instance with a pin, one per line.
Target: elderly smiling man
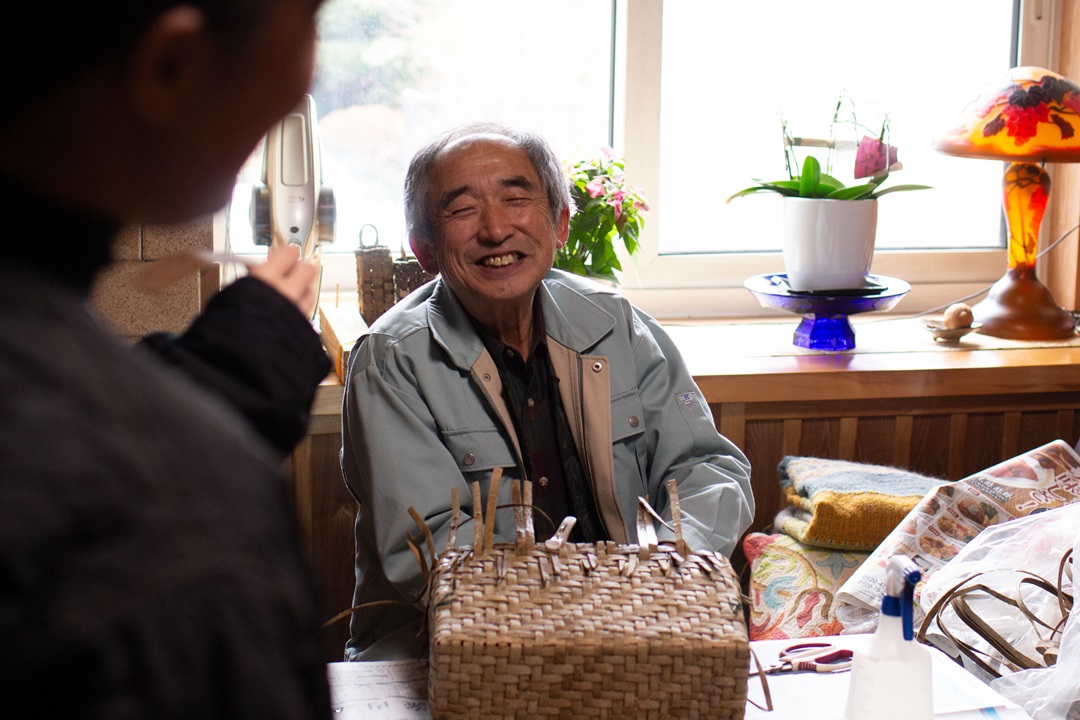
(503, 362)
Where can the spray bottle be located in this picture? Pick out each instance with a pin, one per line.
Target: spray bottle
(890, 676)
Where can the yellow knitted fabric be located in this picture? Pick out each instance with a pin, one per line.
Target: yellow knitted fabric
(846, 505)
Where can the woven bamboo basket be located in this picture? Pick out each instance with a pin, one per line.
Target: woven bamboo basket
(408, 275)
(374, 281)
(559, 629)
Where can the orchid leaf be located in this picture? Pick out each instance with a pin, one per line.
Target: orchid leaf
(855, 192)
(810, 177)
(897, 188)
(830, 182)
(768, 187)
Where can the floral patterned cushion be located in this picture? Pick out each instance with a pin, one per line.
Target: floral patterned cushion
(792, 586)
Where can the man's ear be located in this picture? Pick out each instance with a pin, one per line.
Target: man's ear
(168, 64)
(424, 255)
(562, 228)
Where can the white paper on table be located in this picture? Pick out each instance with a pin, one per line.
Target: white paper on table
(958, 695)
(389, 690)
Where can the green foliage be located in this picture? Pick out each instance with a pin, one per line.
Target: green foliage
(813, 183)
(608, 210)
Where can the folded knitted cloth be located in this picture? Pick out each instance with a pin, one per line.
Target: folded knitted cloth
(846, 505)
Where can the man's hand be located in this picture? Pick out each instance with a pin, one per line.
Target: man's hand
(293, 278)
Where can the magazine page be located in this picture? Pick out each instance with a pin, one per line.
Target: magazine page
(950, 516)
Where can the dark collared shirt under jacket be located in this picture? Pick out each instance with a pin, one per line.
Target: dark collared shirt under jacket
(531, 391)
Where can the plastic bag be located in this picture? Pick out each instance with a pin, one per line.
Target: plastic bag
(1051, 693)
(999, 558)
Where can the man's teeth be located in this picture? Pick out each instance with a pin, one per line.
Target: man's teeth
(499, 260)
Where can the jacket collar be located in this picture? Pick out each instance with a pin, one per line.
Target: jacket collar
(571, 318)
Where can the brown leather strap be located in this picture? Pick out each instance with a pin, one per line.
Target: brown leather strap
(957, 598)
(760, 672)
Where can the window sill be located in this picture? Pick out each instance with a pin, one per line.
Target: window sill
(756, 361)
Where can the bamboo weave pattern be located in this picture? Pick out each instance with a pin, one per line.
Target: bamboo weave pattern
(585, 630)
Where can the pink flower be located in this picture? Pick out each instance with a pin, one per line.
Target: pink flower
(870, 158)
(616, 202)
(595, 187)
(608, 152)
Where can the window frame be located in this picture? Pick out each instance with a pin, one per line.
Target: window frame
(703, 286)
(659, 284)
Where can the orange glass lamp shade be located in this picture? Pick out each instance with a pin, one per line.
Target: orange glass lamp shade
(1031, 118)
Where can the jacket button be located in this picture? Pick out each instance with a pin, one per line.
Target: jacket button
(469, 459)
(597, 366)
(487, 377)
(634, 422)
(543, 481)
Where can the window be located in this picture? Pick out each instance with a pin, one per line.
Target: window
(391, 74)
(699, 126)
(690, 91)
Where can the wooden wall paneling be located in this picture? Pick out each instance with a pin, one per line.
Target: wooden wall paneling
(875, 443)
(765, 447)
(326, 513)
(958, 439)
(902, 441)
(730, 419)
(1035, 428)
(792, 436)
(983, 445)
(1010, 435)
(929, 445)
(304, 488)
(820, 438)
(848, 435)
(1065, 420)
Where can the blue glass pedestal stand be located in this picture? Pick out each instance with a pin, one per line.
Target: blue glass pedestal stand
(825, 324)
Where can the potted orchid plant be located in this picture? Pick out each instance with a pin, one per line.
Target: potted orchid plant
(608, 210)
(828, 241)
(875, 158)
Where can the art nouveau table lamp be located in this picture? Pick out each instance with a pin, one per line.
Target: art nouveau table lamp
(1033, 117)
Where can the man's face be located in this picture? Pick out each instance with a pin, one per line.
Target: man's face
(493, 236)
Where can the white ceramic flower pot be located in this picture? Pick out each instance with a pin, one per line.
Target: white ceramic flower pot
(828, 244)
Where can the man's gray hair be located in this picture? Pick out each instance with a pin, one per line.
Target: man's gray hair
(419, 220)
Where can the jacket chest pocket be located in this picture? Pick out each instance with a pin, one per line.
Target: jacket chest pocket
(478, 451)
(627, 418)
(629, 450)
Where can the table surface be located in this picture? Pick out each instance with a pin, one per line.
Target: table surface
(398, 690)
(958, 695)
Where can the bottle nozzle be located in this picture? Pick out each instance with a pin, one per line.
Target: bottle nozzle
(901, 577)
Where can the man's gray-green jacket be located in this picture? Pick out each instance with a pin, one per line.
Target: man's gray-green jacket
(424, 412)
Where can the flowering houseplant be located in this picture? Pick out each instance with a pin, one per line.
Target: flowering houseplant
(608, 208)
(875, 158)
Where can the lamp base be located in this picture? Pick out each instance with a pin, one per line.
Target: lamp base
(1019, 307)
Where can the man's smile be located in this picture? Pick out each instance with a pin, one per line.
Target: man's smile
(500, 260)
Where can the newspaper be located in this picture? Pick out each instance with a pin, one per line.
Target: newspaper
(387, 690)
(950, 516)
